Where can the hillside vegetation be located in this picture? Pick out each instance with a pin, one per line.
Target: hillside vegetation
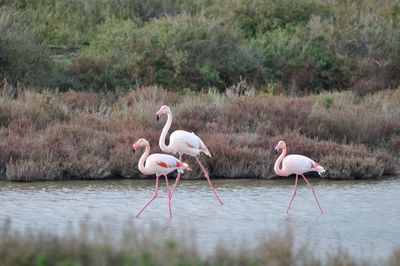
(297, 46)
(81, 80)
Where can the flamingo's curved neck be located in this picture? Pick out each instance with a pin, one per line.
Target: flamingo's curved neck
(280, 171)
(164, 133)
(142, 159)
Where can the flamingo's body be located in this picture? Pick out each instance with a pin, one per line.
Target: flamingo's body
(163, 164)
(159, 164)
(183, 143)
(298, 165)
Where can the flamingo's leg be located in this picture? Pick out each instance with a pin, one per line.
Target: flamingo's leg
(169, 196)
(313, 191)
(293, 195)
(178, 177)
(148, 203)
(208, 179)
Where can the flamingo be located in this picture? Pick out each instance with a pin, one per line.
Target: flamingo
(296, 164)
(159, 164)
(183, 142)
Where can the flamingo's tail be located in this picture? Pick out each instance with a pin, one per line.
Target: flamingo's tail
(320, 169)
(185, 166)
(207, 152)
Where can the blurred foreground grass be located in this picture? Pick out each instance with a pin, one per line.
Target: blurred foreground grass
(99, 245)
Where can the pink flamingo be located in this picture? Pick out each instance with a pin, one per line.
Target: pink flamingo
(295, 164)
(159, 164)
(183, 142)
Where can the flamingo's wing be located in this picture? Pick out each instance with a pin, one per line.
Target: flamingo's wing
(188, 142)
(164, 160)
(297, 164)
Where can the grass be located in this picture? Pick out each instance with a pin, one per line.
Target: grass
(99, 245)
(55, 135)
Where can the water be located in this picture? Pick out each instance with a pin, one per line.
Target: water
(360, 216)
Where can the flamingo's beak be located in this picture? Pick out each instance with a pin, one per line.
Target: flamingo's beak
(276, 151)
(158, 114)
(134, 147)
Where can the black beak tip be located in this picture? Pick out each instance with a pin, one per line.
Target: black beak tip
(158, 117)
(133, 151)
(276, 152)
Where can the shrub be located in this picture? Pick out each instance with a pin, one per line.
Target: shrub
(87, 135)
(28, 170)
(258, 17)
(303, 63)
(22, 57)
(366, 38)
(376, 116)
(352, 167)
(94, 74)
(184, 51)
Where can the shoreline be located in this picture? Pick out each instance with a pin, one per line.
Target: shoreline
(172, 177)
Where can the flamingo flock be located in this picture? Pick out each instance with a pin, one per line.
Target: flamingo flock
(189, 144)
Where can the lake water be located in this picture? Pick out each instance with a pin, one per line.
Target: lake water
(361, 216)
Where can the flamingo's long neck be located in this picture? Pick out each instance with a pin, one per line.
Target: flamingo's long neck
(164, 133)
(280, 171)
(143, 158)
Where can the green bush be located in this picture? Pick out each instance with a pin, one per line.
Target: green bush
(301, 45)
(93, 74)
(181, 51)
(201, 53)
(300, 61)
(259, 17)
(22, 57)
(147, 10)
(365, 35)
(72, 23)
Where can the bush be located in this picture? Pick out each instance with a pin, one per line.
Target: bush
(376, 116)
(302, 63)
(259, 17)
(366, 38)
(94, 74)
(184, 51)
(22, 57)
(301, 45)
(84, 135)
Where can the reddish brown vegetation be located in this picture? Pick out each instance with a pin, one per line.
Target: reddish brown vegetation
(82, 135)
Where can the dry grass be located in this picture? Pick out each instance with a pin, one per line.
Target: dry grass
(93, 244)
(47, 136)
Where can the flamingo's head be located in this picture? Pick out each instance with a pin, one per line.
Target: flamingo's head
(163, 110)
(138, 144)
(280, 146)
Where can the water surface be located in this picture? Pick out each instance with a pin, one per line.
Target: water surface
(361, 216)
